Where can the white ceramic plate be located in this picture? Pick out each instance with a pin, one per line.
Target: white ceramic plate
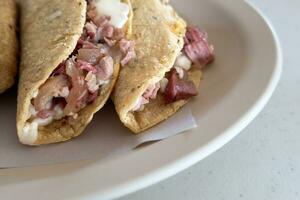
(235, 88)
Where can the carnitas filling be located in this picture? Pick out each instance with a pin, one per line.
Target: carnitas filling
(175, 85)
(78, 80)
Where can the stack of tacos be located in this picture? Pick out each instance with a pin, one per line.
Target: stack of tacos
(8, 43)
(73, 51)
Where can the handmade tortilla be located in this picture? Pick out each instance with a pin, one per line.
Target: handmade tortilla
(8, 44)
(46, 42)
(158, 32)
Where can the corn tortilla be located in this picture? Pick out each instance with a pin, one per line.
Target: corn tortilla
(46, 42)
(8, 44)
(158, 32)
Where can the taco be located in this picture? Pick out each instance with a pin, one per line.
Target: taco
(8, 43)
(71, 55)
(167, 70)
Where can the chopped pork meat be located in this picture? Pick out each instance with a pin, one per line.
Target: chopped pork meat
(108, 31)
(77, 81)
(101, 21)
(127, 49)
(83, 65)
(91, 56)
(140, 104)
(77, 97)
(178, 89)
(92, 97)
(52, 88)
(149, 94)
(105, 68)
(151, 91)
(197, 48)
(44, 114)
(61, 69)
(87, 45)
(119, 34)
(91, 30)
(175, 85)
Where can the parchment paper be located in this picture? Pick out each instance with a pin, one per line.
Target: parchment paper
(104, 137)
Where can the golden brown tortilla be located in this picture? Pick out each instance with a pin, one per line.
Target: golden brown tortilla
(8, 44)
(158, 32)
(157, 111)
(47, 41)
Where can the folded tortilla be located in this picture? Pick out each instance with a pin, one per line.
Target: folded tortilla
(8, 43)
(50, 30)
(158, 33)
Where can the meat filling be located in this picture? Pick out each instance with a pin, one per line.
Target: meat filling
(175, 85)
(77, 81)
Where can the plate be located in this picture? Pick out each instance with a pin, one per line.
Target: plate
(234, 90)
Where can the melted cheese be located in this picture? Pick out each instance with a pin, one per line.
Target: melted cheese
(163, 84)
(183, 62)
(30, 130)
(30, 133)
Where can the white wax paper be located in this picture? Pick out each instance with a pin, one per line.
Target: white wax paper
(104, 137)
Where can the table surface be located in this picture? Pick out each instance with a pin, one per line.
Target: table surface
(263, 161)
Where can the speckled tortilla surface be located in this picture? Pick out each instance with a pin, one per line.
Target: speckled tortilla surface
(8, 44)
(50, 31)
(158, 32)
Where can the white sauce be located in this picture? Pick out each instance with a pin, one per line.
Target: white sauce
(163, 84)
(30, 130)
(183, 62)
(29, 134)
(180, 72)
(117, 10)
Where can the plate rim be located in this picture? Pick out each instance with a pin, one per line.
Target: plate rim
(155, 175)
(217, 143)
